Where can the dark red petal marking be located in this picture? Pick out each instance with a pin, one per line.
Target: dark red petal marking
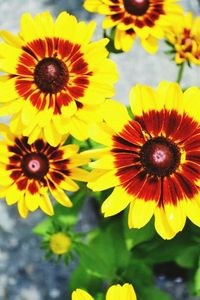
(191, 170)
(16, 174)
(56, 177)
(151, 189)
(134, 185)
(126, 174)
(38, 47)
(152, 122)
(172, 191)
(189, 188)
(22, 183)
(117, 17)
(33, 187)
(193, 156)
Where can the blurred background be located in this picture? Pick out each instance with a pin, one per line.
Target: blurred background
(24, 274)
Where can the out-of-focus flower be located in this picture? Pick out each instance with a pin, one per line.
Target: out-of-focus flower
(145, 18)
(57, 79)
(29, 172)
(59, 243)
(184, 37)
(115, 292)
(153, 161)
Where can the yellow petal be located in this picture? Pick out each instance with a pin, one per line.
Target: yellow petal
(162, 225)
(13, 195)
(142, 100)
(140, 212)
(190, 103)
(101, 133)
(68, 184)
(118, 292)
(106, 162)
(115, 114)
(116, 202)
(61, 197)
(79, 174)
(176, 216)
(11, 39)
(31, 201)
(51, 134)
(23, 210)
(192, 209)
(46, 205)
(8, 90)
(106, 181)
(81, 295)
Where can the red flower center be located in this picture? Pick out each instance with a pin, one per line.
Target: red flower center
(160, 156)
(51, 75)
(35, 165)
(136, 7)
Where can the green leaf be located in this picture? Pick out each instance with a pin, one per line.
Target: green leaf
(83, 280)
(106, 255)
(43, 227)
(95, 263)
(153, 293)
(189, 257)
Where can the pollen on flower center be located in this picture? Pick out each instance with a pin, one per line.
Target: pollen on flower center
(51, 75)
(136, 7)
(160, 156)
(35, 165)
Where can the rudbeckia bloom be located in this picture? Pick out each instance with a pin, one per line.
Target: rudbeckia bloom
(152, 162)
(184, 37)
(55, 74)
(144, 18)
(115, 292)
(29, 173)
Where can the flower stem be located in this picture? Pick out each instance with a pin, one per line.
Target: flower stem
(180, 73)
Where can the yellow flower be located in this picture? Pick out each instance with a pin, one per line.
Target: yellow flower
(184, 36)
(152, 161)
(145, 18)
(57, 79)
(115, 292)
(30, 172)
(60, 243)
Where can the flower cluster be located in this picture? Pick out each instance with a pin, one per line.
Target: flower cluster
(57, 87)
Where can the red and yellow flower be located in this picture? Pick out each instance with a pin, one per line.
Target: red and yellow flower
(185, 39)
(153, 161)
(54, 74)
(115, 292)
(30, 173)
(145, 18)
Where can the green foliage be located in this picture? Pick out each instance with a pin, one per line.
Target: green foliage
(106, 254)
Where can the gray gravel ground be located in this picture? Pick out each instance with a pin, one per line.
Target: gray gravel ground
(24, 275)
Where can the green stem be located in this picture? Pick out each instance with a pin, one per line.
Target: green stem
(180, 73)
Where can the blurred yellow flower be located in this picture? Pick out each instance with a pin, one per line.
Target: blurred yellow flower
(146, 19)
(60, 243)
(115, 292)
(184, 36)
